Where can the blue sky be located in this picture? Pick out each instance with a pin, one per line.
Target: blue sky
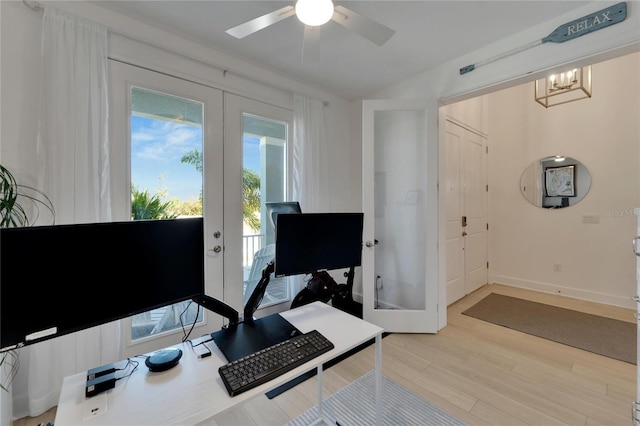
(156, 149)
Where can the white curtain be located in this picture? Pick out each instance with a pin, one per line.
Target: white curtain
(310, 159)
(74, 172)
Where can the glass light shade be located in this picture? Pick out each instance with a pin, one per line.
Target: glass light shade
(314, 12)
(565, 87)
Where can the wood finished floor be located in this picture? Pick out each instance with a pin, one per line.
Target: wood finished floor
(481, 373)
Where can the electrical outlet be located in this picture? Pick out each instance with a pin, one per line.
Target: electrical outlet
(557, 267)
(590, 218)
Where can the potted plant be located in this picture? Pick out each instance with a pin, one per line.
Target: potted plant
(20, 205)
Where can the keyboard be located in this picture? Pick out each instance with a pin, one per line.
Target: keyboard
(267, 364)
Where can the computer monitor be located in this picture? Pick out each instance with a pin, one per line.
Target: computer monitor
(56, 280)
(310, 242)
(276, 207)
(304, 243)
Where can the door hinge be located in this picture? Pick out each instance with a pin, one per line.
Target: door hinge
(487, 188)
(487, 265)
(486, 149)
(487, 226)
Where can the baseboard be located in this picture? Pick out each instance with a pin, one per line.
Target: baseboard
(607, 299)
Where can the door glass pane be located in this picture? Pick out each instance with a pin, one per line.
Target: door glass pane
(264, 156)
(399, 210)
(166, 182)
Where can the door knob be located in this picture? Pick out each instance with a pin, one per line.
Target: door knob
(217, 249)
(371, 244)
(464, 233)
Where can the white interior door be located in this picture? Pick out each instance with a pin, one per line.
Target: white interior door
(454, 241)
(399, 260)
(466, 211)
(475, 211)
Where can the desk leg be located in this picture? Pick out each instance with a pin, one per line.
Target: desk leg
(320, 402)
(379, 379)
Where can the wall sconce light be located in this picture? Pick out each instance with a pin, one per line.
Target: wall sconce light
(565, 87)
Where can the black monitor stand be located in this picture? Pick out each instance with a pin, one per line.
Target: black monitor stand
(250, 336)
(344, 300)
(242, 338)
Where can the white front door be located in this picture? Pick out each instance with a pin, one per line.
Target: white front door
(466, 231)
(399, 259)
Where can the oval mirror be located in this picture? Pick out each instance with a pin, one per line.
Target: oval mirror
(555, 182)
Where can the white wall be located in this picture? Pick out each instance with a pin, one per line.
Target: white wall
(20, 88)
(444, 85)
(602, 133)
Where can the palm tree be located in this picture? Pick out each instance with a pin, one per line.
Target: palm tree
(250, 189)
(251, 198)
(145, 206)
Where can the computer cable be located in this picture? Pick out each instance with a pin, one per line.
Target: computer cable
(185, 334)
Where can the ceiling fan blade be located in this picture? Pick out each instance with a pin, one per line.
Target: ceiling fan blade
(368, 28)
(311, 44)
(261, 22)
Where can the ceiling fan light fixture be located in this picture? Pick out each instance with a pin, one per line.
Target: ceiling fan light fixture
(314, 12)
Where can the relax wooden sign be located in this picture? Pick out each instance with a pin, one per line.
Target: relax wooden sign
(576, 28)
(588, 24)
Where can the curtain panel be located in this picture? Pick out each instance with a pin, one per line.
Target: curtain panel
(310, 160)
(73, 158)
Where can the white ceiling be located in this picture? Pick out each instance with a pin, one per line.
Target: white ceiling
(428, 33)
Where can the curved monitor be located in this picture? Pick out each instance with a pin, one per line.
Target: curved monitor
(310, 242)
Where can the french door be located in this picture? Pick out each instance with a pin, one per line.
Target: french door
(399, 259)
(257, 167)
(145, 105)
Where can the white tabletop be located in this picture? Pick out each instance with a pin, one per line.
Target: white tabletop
(193, 390)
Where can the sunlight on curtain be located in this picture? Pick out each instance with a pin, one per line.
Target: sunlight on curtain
(74, 172)
(310, 160)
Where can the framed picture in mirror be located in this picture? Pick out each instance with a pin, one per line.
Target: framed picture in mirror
(560, 181)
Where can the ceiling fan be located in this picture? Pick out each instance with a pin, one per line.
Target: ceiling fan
(314, 13)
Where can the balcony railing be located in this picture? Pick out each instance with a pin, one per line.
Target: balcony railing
(277, 291)
(250, 245)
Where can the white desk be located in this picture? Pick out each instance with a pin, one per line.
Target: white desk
(193, 391)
